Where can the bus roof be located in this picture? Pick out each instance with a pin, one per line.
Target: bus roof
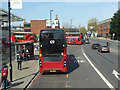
(74, 33)
(53, 29)
(23, 32)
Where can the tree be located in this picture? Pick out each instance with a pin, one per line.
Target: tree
(83, 30)
(93, 25)
(115, 24)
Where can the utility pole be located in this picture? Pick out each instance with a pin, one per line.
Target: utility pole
(51, 17)
(71, 24)
(20, 27)
(9, 19)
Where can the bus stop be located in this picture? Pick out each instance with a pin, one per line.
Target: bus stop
(27, 45)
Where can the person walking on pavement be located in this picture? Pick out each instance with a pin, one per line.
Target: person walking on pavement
(36, 46)
(23, 55)
(107, 43)
(4, 74)
(19, 61)
(27, 52)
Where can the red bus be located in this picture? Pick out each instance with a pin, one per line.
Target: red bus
(74, 38)
(52, 50)
(24, 36)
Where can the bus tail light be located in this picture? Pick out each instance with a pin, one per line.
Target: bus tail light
(40, 63)
(101, 48)
(62, 53)
(65, 63)
(108, 48)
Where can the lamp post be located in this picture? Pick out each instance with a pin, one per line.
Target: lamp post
(51, 17)
(9, 20)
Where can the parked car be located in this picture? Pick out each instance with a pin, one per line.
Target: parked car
(104, 48)
(95, 45)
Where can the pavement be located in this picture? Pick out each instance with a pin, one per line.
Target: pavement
(105, 39)
(22, 78)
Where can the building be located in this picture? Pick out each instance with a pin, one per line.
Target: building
(36, 25)
(104, 28)
(4, 24)
(4, 34)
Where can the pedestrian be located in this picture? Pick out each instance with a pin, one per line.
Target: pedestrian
(19, 61)
(23, 56)
(107, 43)
(27, 52)
(4, 74)
(36, 46)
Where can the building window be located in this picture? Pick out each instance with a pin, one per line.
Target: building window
(104, 34)
(101, 34)
(101, 26)
(27, 30)
(27, 25)
(104, 30)
(107, 30)
(101, 30)
(104, 25)
(107, 25)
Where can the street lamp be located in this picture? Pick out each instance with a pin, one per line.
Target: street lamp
(51, 17)
(9, 19)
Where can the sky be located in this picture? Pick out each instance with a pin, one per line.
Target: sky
(79, 12)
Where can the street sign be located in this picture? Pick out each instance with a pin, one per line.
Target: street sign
(16, 4)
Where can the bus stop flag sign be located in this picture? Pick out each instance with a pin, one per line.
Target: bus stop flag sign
(16, 4)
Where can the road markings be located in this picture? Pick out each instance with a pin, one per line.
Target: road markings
(67, 85)
(82, 61)
(116, 74)
(99, 73)
(67, 75)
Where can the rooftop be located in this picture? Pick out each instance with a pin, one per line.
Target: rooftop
(4, 16)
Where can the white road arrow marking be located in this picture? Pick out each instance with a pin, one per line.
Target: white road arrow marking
(116, 74)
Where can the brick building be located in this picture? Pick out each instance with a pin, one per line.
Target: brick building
(104, 28)
(36, 25)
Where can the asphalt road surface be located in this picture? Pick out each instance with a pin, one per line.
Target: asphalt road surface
(87, 68)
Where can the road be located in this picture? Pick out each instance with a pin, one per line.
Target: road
(81, 73)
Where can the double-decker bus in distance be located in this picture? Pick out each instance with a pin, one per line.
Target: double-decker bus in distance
(74, 38)
(24, 36)
(52, 50)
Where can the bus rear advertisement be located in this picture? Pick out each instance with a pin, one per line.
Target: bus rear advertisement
(52, 50)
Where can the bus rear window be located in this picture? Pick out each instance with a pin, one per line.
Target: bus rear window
(50, 34)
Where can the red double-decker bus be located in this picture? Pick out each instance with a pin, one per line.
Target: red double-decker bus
(74, 38)
(52, 50)
(24, 36)
(24, 39)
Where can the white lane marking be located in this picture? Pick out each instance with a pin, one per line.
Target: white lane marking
(82, 61)
(67, 85)
(99, 73)
(116, 74)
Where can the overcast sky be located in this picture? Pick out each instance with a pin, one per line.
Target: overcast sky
(79, 12)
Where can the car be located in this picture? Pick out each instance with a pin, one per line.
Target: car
(104, 48)
(95, 45)
(86, 41)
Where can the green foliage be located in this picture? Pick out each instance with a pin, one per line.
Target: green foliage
(83, 30)
(115, 24)
(93, 23)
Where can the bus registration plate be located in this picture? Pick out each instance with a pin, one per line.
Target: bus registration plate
(52, 70)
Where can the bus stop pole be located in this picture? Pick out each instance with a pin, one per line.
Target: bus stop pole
(9, 19)
(15, 52)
